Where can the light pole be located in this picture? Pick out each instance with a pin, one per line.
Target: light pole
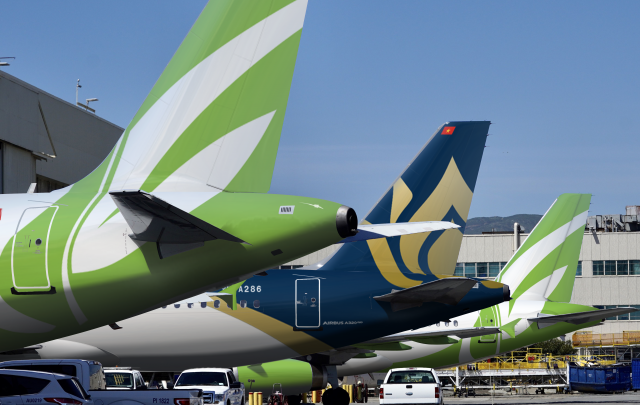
(77, 87)
(85, 106)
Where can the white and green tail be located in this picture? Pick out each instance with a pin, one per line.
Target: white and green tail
(213, 119)
(544, 268)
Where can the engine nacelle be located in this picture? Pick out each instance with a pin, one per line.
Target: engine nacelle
(295, 376)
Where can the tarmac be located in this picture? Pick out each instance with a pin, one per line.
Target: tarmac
(629, 397)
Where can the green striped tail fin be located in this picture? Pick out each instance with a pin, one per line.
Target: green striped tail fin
(214, 117)
(544, 267)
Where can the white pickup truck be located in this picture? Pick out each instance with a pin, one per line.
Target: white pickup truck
(123, 378)
(91, 376)
(218, 385)
(411, 386)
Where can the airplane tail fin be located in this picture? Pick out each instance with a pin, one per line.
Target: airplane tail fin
(213, 119)
(544, 267)
(437, 185)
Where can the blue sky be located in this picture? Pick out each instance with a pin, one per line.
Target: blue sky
(373, 80)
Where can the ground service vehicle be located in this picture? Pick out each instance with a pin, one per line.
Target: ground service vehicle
(90, 376)
(411, 385)
(123, 378)
(218, 385)
(36, 387)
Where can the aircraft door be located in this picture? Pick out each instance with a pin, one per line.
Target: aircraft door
(488, 319)
(308, 303)
(29, 267)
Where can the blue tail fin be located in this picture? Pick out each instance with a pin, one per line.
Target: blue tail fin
(436, 186)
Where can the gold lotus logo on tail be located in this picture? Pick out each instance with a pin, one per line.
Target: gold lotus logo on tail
(452, 191)
(401, 198)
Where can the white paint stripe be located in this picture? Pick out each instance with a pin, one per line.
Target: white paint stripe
(155, 133)
(235, 148)
(536, 253)
(543, 288)
(554, 280)
(66, 285)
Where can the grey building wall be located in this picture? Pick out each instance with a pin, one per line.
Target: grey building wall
(47, 140)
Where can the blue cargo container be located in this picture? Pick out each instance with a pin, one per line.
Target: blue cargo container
(635, 373)
(600, 379)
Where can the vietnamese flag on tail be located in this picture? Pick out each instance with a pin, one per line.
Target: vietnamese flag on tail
(448, 130)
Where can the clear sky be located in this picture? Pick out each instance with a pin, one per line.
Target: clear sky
(374, 79)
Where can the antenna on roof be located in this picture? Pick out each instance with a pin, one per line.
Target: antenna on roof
(6, 57)
(78, 85)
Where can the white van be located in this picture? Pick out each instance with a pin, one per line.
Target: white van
(413, 385)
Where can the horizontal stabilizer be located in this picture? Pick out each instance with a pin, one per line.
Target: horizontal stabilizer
(154, 220)
(580, 317)
(431, 337)
(366, 232)
(447, 291)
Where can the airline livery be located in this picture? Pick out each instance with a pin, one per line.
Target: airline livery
(541, 274)
(178, 206)
(365, 291)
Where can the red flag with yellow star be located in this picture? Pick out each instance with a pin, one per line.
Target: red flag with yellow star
(448, 130)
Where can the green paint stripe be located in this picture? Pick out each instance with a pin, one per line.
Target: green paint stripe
(260, 90)
(113, 214)
(220, 22)
(566, 207)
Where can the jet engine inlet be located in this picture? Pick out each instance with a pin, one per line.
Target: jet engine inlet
(318, 377)
(506, 293)
(346, 222)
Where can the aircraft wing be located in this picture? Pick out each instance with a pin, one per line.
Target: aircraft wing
(378, 231)
(154, 220)
(448, 290)
(578, 318)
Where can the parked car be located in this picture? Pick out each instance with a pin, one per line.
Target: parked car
(411, 385)
(19, 387)
(90, 376)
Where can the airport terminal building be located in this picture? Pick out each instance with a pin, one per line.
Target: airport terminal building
(46, 140)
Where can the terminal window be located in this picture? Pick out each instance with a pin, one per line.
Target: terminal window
(616, 267)
(634, 316)
(482, 269)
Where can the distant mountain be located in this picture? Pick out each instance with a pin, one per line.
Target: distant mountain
(475, 226)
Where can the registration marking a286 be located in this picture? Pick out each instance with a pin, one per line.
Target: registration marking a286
(250, 288)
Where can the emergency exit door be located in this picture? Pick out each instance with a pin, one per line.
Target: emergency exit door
(308, 303)
(29, 267)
